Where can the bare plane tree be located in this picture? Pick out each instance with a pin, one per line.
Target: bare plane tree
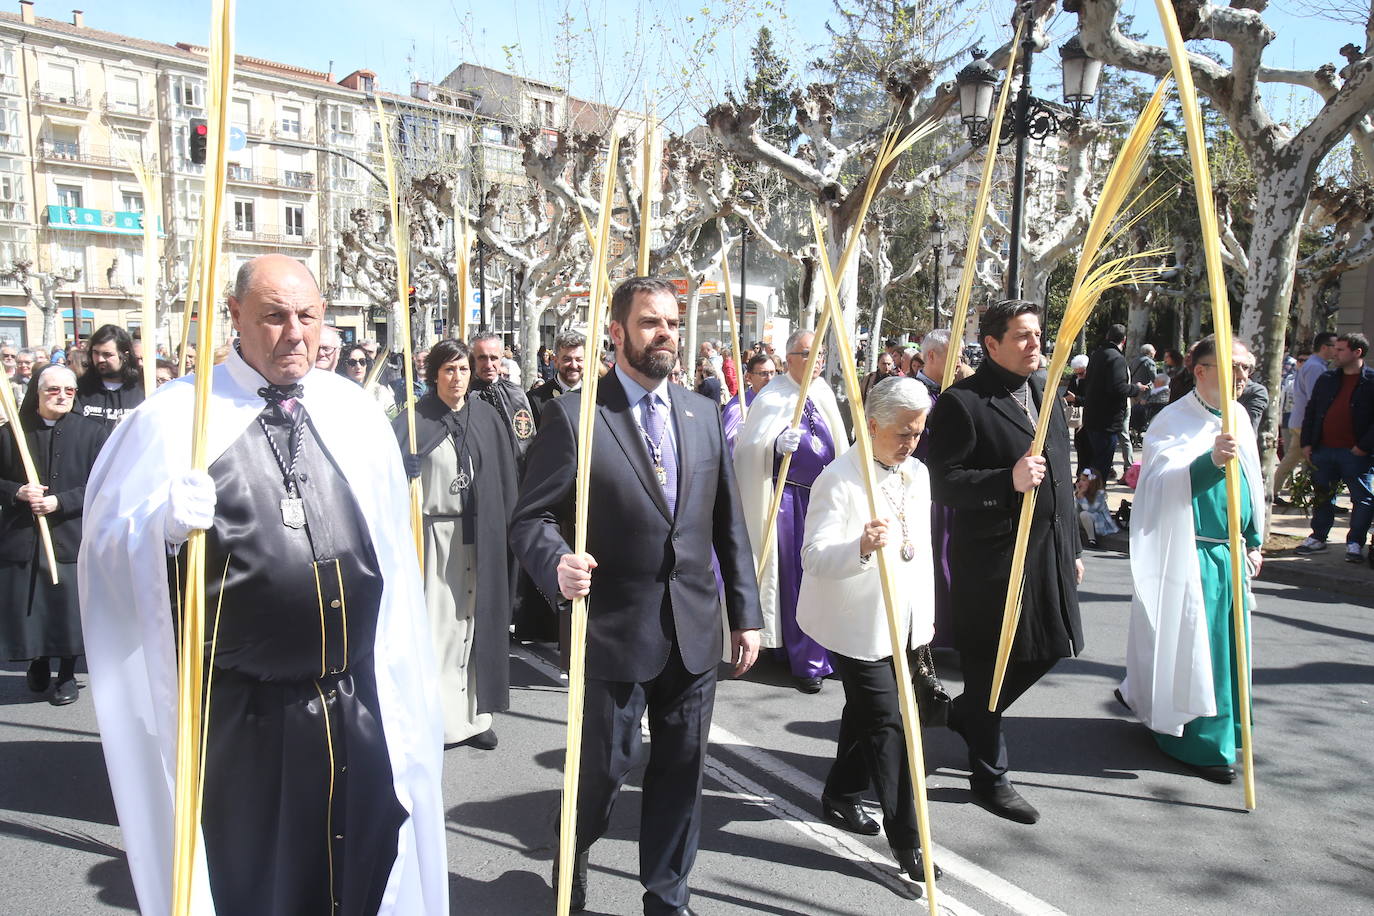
(1286, 159)
(41, 287)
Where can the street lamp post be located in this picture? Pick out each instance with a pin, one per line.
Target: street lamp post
(1031, 118)
(482, 283)
(937, 229)
(749, 198)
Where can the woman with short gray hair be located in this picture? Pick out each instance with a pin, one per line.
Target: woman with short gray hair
(841, 607)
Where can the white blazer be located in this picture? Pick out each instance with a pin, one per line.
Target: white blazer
(841, 601)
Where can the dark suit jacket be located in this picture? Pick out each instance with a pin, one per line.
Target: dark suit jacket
(653, 585)
(977, 432)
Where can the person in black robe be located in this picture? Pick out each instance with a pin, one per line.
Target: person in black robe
(570, 347)
(536, 620)
(508, 399)
(464, 461)
(40, 620)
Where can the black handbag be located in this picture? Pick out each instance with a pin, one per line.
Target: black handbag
(932, 700)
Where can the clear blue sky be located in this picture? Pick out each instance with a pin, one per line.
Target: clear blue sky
(623, 48)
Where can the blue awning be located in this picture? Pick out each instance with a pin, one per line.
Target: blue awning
(85, 313)
(9, 311)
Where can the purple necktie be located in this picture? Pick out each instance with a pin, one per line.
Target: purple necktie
(660, 448)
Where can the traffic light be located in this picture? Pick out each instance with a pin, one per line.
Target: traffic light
(200, 133)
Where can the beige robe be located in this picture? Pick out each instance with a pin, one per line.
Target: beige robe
(450, 593)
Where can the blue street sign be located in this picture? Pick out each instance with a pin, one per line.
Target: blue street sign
(237, 139)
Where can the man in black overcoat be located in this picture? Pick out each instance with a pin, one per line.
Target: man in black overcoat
(663, 495)
(1106, 388)
(980, 433)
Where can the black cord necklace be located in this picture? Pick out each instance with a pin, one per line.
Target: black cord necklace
(463, 478)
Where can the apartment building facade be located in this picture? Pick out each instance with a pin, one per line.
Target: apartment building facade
(301, 147)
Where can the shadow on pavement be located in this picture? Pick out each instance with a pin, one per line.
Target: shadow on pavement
(73, 770)
(1313, 627)
(529, 822)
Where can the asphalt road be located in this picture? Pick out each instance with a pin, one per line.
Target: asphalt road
(1123, 830)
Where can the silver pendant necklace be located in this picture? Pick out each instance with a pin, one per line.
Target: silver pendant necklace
(463, 480)
(292, 506)
(463, 477)
(908, 550)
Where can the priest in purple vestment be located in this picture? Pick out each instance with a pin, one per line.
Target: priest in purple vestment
(767, 435)
(759, 371)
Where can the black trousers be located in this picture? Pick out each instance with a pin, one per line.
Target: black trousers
(680, 705)
(872, 747)
(969, 716)
(1102, 447)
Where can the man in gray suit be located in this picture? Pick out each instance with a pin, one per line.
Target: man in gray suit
(663, 497)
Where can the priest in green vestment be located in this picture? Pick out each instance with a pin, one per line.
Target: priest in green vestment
(1181, 673)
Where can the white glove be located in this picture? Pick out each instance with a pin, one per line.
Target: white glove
(788, 441)
(190, 506)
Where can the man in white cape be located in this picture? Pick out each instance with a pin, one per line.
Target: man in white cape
(767, 436)
(1180, 657)
(322, 773)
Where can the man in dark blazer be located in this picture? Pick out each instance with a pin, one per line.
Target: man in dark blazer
(980, 434)
(663, 496)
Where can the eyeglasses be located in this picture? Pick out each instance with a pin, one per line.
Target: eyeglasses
(328, 351)
(55, 390)
(355, 362)
(764, 373)
(806, 354)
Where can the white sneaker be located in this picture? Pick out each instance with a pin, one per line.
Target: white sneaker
(1311, 545)
(1353, 553)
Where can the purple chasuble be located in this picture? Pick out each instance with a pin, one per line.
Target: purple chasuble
(731, 421)
(805, 656)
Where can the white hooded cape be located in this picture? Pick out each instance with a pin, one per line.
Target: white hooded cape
(770, 414)
(127, 621)
(1168, 655)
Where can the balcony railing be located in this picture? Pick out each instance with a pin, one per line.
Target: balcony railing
(301, 134)
(70, 151)
(296, 181)
(119, 109)
(268, 235)
(85, 219)
(61, 97)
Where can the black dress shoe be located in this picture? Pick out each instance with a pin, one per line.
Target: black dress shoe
(66, 693)
(486, 741)
(579, 880)
(849, 816)
(40, 674)
(913, 867)
(1004, 801)
(1222, 774)
(809, 684)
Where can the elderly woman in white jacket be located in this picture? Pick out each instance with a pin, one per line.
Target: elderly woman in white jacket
(841, 607)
